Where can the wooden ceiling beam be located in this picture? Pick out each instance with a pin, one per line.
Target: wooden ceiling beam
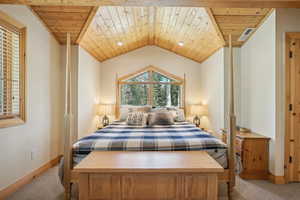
(87, 23)
(217, 28)
(62, 9)
(240, 11)
(188, 3)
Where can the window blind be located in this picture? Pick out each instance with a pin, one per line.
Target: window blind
(9, 72)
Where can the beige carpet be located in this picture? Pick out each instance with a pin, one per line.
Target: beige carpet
(47, 187)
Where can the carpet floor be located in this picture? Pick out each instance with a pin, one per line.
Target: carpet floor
(48, 187)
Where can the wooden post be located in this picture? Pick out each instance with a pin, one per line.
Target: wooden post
(232, 123)
(68, 122)
(117, 107)
(184, 95)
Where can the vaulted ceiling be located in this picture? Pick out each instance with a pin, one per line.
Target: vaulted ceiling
(140, 26)
(109, 31)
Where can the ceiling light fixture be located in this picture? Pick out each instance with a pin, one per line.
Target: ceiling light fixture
(120, 43)
(181, 43)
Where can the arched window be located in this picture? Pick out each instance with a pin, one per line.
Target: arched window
(151, 86)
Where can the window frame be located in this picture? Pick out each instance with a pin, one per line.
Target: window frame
(12, 24)
(150, 69)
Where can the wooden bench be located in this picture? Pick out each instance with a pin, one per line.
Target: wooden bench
(179, 175)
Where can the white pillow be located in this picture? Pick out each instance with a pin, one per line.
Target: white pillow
(180, 117)
(123, 113)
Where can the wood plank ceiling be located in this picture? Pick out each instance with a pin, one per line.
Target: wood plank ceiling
(165, 27)
(235, 20)
(192, 32)
(62, 19)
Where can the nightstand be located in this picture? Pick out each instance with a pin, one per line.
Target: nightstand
(253, 149)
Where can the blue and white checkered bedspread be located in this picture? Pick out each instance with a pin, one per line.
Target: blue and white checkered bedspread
(178, 137)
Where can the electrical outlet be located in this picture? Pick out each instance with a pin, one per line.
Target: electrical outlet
(33, 153)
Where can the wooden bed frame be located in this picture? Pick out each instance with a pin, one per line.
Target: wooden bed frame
(70, 177)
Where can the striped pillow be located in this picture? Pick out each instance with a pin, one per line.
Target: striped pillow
(137, 119)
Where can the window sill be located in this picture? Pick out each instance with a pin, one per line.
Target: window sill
(5, 123)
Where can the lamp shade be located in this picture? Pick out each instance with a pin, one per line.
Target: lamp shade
(105, 109)
(198, 109)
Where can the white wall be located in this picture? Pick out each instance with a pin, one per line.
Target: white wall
(43, 129)
(88, 93)
(212, 90)
(287, 20)
(258, 84)
(150, 55)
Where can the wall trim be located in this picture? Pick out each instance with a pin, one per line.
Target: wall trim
(277, 179)
(28, 178)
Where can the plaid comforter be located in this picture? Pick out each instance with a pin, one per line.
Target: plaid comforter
(178, 137)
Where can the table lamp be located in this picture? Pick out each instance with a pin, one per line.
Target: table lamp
(105, 110)
(198, 111)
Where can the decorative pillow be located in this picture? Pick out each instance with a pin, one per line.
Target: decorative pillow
(160, 118)
(179, 115)
(123, 113)
(137, 119)
(125, 110)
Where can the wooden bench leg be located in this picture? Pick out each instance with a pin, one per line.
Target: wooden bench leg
(229, 190)
(83, 186)
(68, 189)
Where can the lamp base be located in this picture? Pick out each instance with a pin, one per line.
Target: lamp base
(105, 121)
(196, 121)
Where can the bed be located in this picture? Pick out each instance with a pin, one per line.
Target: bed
(182, 136)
